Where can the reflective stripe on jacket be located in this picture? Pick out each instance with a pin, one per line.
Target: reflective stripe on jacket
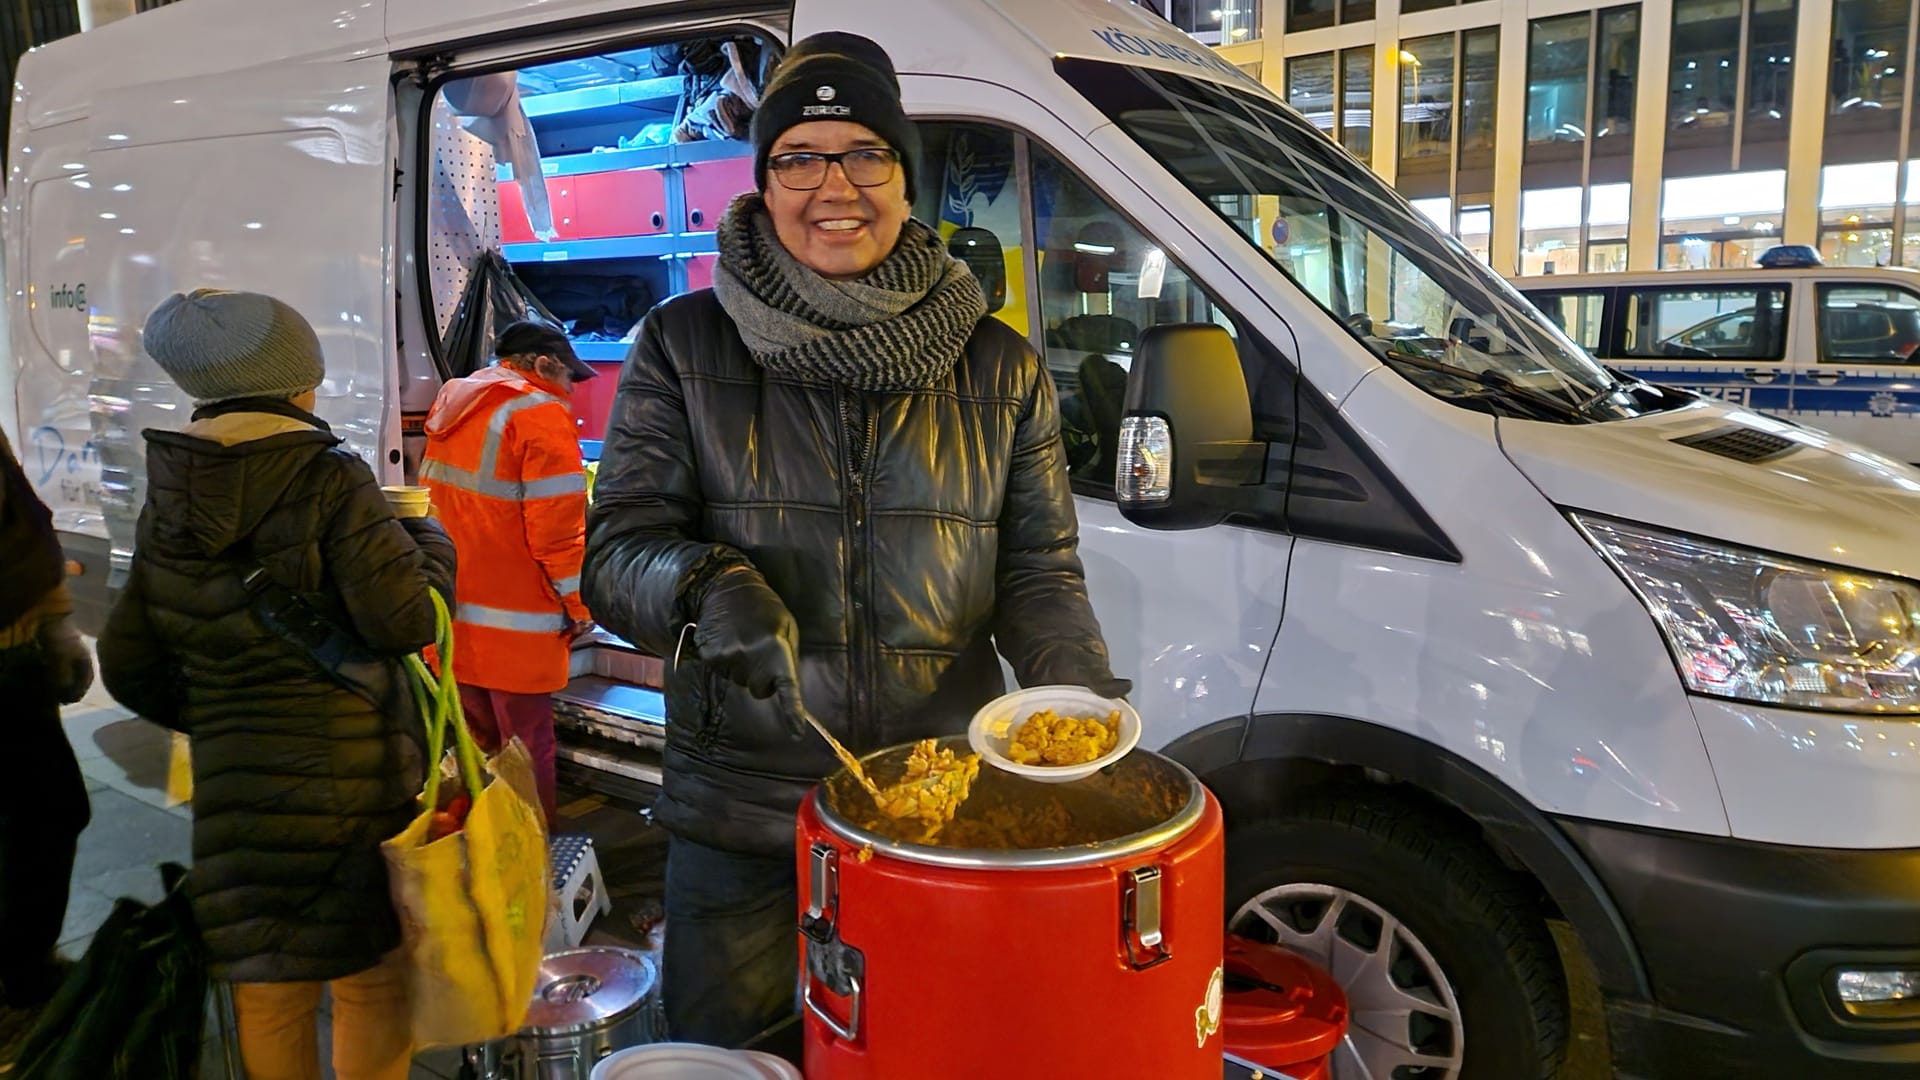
(503, 464)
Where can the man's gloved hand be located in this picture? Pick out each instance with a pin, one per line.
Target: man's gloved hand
(745, 632)
(1111, 688)
(69, 663)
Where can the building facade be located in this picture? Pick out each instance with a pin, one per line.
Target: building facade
(1561, 136)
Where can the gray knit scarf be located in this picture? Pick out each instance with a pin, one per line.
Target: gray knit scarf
(902, 326)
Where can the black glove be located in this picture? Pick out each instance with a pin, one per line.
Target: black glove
(69, 663)
(745, 632)
(424, 529)
(1111, 687)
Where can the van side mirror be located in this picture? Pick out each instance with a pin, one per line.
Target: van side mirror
(1186, 438)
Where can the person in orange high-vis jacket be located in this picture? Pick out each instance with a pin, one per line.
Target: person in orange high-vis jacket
(503, 465)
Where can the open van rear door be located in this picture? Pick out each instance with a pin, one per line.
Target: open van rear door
(275, 179)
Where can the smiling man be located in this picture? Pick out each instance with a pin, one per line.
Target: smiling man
(831, 478)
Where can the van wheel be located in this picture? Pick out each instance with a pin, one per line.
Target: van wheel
(1449, 969)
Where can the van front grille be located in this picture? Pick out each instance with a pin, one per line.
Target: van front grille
(1740, 443)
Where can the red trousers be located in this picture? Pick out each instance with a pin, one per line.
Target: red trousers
(494, 716)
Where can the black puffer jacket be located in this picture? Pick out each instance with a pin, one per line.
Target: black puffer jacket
(955, 529)
(296, 780)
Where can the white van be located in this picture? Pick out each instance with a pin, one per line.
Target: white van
(1467, 635)
(1836, 348)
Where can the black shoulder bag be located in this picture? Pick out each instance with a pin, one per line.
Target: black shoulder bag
(335, 649)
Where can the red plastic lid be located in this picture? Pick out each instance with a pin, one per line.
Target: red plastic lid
(1295, 1015)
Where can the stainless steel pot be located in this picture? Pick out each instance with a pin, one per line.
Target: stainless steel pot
(587, 1003)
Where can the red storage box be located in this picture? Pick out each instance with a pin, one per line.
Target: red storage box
(629, 202)
(700, 271)
(593, 399)
(514, 226)
(711, 186)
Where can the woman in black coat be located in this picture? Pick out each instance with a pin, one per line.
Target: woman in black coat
(297, 778)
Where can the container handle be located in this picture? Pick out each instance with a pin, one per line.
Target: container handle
(850, 1031)
(1140, 919)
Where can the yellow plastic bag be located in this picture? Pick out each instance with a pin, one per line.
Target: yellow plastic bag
(179, 770)
(472, 905)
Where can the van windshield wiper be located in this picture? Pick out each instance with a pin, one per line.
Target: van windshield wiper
(1500, 383)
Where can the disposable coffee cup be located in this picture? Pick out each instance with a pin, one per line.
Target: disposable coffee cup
(408, 501)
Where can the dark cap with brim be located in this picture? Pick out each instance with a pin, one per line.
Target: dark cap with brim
(539, 339)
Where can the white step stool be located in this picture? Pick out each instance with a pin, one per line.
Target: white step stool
(579, 892)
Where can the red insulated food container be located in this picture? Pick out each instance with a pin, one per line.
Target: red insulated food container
(1049, 931)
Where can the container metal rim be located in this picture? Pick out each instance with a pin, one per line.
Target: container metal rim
(1120, 847)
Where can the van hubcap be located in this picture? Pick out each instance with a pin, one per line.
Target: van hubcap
(1403, 1018)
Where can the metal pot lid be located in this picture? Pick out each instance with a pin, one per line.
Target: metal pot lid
(1140, 803)
(581, 989)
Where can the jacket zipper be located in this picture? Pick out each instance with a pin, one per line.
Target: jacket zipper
(859, 440)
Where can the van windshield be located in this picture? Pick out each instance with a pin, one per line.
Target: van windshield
(1411, 294)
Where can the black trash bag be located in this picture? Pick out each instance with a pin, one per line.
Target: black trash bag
(494, 298)
(134, 1008)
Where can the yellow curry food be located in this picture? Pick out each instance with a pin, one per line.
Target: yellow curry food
(934, 785)
(1047, 738)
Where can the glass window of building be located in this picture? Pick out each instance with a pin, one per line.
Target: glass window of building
(1703, 86)
(1310, 90)
(1356, 101)
(1449, 93)
(1424, 5)
(1227, 22)
(1856, 213)
(1910, 195)
(1866, 82)
(1310, 14)
(1438, 210)
(1770, 41)
(1427, 107)
(1356, 10)
(1709, 222)
(1557, 80)
(1479, 97)
(1578, 156)
(1550, 231)
(1608, 207)
(1475, 230)
(1616, 63)
(1337, 101)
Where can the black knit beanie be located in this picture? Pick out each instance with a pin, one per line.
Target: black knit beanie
(835, 76)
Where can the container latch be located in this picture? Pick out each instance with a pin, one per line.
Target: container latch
(823, 898)
(1140, 933)
(837, 967)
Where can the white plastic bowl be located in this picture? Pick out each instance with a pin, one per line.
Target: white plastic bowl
(993, 727)
(687, 1061)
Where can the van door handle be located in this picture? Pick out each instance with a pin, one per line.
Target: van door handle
(1762, 376)
(1826, 378)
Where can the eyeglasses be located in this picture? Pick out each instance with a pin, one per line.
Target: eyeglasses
(807, 171)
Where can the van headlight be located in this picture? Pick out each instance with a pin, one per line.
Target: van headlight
(1764, 628)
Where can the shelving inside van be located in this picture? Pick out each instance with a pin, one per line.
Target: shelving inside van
(639, 153)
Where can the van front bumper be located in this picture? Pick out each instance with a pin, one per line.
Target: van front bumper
(1743, 944)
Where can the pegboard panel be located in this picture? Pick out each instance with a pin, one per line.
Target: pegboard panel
(464, 216)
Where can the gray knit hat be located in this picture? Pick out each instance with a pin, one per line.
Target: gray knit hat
(221, 345)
